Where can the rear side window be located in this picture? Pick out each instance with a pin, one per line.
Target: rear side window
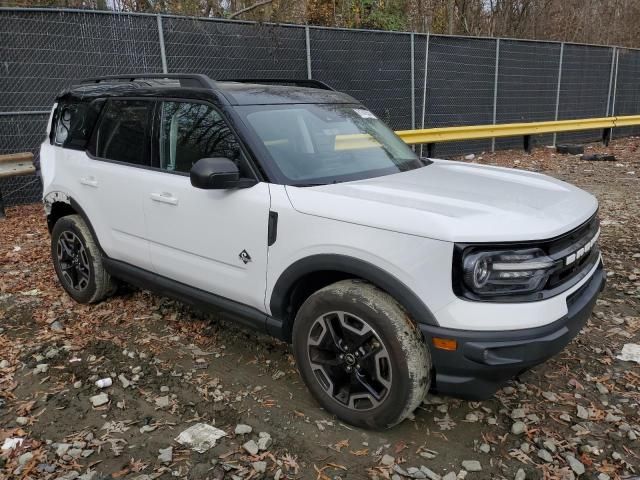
(124, 132)
(73, 123)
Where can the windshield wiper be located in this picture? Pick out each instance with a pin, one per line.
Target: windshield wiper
(317, 184)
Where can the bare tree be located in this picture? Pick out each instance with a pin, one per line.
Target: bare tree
(611, 22)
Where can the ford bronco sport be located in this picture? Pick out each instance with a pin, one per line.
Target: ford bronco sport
(295, 210)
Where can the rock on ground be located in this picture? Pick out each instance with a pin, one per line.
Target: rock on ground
(387, 460)
(545, 455)
(518, 428)
(471, 465)
(242, 429)
(99, 400)
(576, 465)
(251, 447)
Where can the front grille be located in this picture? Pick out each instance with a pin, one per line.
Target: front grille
(564, 247)
(567, 273)
(578, 235)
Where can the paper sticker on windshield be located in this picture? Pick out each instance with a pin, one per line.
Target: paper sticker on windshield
(364, 113)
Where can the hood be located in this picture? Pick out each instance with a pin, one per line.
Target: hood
(454, 201)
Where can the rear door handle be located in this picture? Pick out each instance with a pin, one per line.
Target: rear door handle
(164, 197)
(89, 181)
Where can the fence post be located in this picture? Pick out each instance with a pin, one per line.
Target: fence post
(424, 83)
(163, 56)
(2, 212)
(495, 92)
(606, 133)
(424, 88)
(555, 135)
(307, 41)
(611, 70)
(413, 83)
(615, 88)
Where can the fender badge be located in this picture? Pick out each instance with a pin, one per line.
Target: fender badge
(244, 256)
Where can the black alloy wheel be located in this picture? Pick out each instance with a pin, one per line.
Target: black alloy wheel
(349, 360)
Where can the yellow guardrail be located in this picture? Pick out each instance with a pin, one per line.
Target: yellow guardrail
(627, 121)
(430, 136)
(472, 132)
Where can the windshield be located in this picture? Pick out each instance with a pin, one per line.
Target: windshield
(315, 144)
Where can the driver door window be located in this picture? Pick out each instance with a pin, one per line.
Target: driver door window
(191, 131)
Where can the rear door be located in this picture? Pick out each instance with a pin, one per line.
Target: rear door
(116, 177)
(215, 240)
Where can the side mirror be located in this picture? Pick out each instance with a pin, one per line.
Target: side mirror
(214, 173)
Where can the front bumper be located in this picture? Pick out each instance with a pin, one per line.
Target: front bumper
(485, 360)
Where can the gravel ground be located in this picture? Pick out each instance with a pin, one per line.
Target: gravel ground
(172, 368)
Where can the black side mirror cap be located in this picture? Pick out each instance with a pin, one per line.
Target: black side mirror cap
(215, 173)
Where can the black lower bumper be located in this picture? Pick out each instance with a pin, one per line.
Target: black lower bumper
(485, 360)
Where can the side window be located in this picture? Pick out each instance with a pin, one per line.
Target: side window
(73, 123)
(191, 131)
(124, 132)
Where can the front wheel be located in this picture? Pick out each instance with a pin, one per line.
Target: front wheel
(361, 355)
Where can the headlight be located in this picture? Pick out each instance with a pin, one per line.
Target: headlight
(505, 272)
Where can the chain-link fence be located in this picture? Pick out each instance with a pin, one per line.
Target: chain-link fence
(584, 99)
(408, 80)
(626, 88)
(460, 88)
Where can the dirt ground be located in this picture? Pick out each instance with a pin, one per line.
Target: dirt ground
(576, 415)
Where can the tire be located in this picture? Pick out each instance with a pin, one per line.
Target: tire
(393, 359)
(79, 265)
(570, 149)
(599, 157)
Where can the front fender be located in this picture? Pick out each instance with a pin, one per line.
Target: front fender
(281, 293)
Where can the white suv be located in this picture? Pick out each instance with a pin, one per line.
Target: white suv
(295, 210)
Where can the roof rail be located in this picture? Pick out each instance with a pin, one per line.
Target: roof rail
(282, 81)
(185, 79)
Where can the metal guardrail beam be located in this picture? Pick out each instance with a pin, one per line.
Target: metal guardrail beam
(16, 164)
(627, 121)
(473, 132)
(430, 136)
(13, 165)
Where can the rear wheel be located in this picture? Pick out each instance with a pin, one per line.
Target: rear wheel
(78, 262)
(361, 355)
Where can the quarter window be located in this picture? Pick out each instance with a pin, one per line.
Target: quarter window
(124, 132)
(73, 123)
(191, 131)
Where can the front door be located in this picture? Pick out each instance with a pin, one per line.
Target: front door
(215, 240)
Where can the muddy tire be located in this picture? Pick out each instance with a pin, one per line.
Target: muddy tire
(78, 262)
(360, 354)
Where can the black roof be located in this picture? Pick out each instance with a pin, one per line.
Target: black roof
(196, 86)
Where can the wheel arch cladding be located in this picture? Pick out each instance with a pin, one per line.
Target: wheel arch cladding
(332, 268)
(60, 205)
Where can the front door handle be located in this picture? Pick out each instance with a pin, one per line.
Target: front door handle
(90, 181)
(164, 197)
